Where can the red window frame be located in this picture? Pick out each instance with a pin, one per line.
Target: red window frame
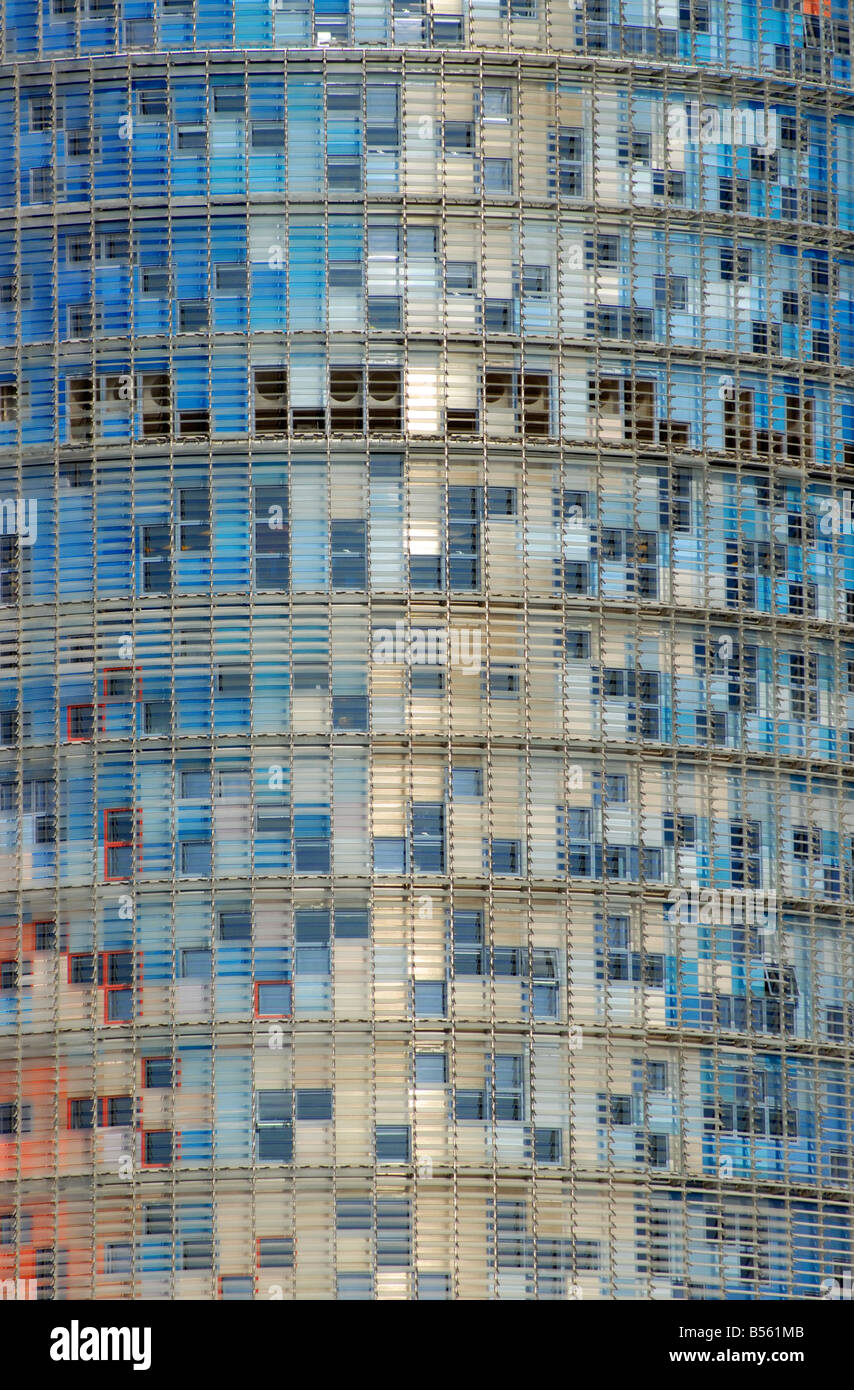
(136, 818)
(30, 930)
(82, 1129)
(103, 982)
(79, 955)
(103, 1114)
(78, 738)
(286, 981)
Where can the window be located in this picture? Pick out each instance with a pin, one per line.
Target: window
(192, 315)
(81, 969)
(118, 1260)
(466, 782)
(461, 275)
(41, 185)
(694, 16)
(603, 250)
(578, 645)
(497, 176)
(195, 858)
(668, 184)
(8, 974)
(544, 983)
(115, 975)
(119, 842)
(506, 857)
(157, 1073)
(503, 681)
(196, 963)
(273, 999)
(470, 955)
(459, 136)
(656, 1076)
(393, 1143)
(271, 527)
(621, 1110)
(116, 1112)
(431, 999)
(570, 162)
(197, 1254)
(13, 1120)
(314, 1105)
(671, 292)
(193, 525)
(228, 101)
(194, 783)
(81, 1113)
(348, 554)
(428, 837)
(274, 1126)
(41, 113)
(8, 404)
(384, 312)
(509, 1088)
(276, 1252)
(268, 136)
(548, 1146)
(45, 936)
(15, 289)
(80, 723)
(152, 103)
(382, 127)
(735, 264)
(658, 1150)
(431, 1069)
(230, 278)
(497, 103)
(236, 1286)
(192, 139)
(156, 1148)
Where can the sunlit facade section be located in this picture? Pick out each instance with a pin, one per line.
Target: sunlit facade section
(426, 650)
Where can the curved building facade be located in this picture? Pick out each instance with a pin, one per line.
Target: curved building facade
(426, 649)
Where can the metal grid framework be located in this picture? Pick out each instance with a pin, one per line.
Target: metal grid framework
(426, 657)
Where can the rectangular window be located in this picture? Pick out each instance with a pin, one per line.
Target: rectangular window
(276, 1252)
(273, 999)
(81, 1113)
(348, 554)
(570, 162)
(156, 1148)
(115, 975)
(274, 1126)
(157, 1072)
(119, 843)
(314, 1105)
(116, 1112)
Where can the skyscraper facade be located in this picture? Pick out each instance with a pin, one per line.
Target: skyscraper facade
(426, 649)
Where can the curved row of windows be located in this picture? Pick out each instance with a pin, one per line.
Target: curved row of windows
(659, 533)
(459, 274)
(264, 813)
(752, 1111)
(392, 673)
(497, 136)
(809, 43)
(442, 1240)
(423, 389)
